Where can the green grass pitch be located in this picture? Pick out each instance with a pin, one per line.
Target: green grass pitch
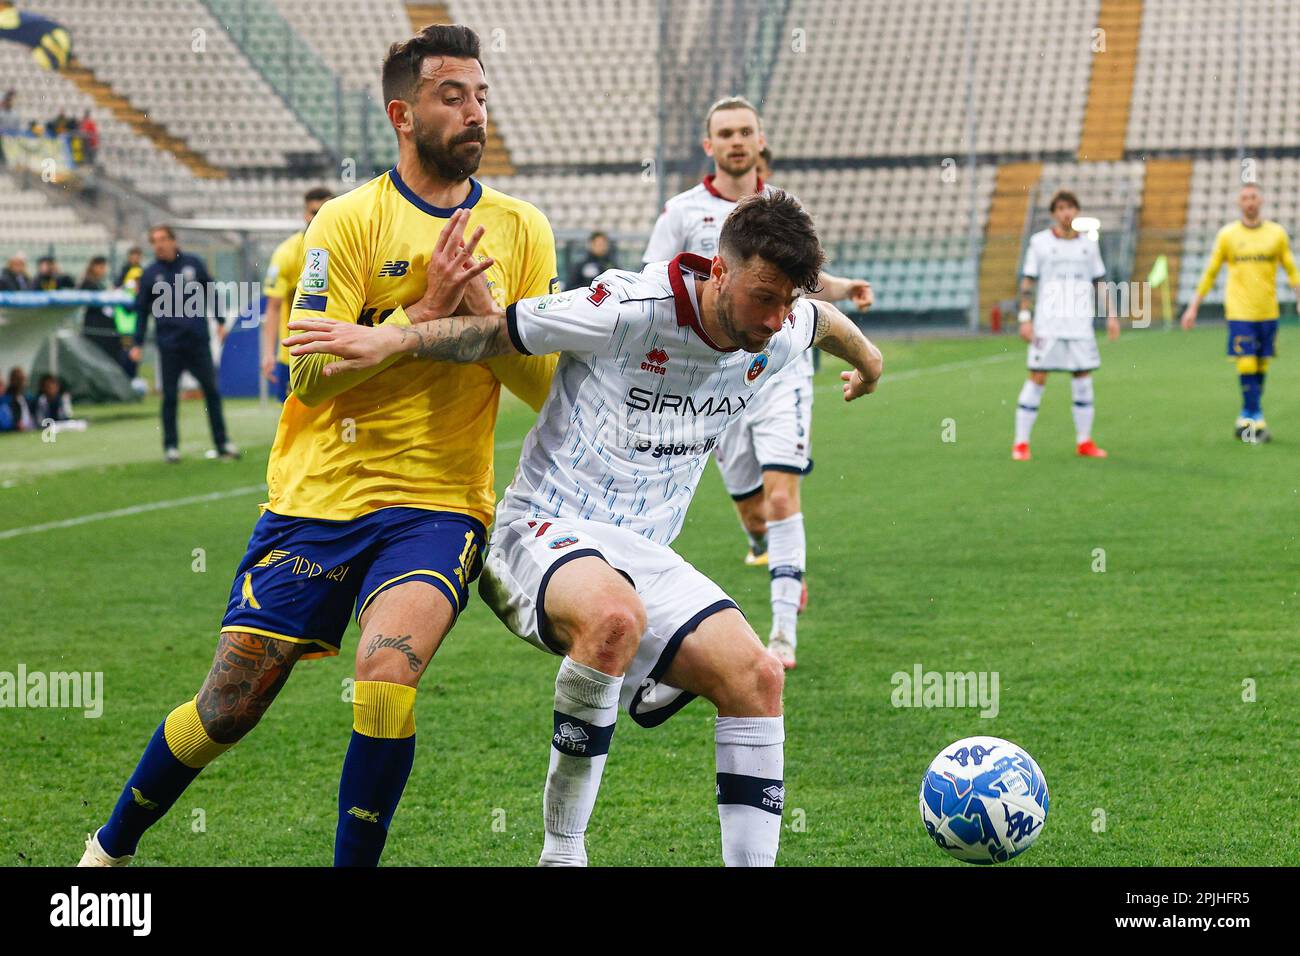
(1126, 685)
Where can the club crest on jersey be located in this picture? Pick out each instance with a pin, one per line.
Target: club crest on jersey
(756, 368)
(655, 360)
(563, 541)
(598, 295)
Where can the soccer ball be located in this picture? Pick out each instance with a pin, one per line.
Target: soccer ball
(984, 800)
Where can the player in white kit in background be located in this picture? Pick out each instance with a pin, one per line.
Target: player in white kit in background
(1066, 266)
(765, 454)
(653, 367)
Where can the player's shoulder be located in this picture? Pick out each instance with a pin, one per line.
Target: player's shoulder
(289, 246)
(512, 207)
(686, 198)
(1042, 237)
(627, 287)
(353, 208)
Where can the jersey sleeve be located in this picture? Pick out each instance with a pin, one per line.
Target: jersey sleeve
(665, 241)
(1288, 261)
(797, 333)
(279, 281)
(528, 377)
(1030, 268)
(332, 285)
(579, 320)
(1212, 267)
(1098, 267)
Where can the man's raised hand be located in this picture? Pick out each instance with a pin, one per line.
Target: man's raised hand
(451, 268)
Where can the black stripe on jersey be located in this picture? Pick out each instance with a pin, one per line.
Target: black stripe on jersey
(512, 327)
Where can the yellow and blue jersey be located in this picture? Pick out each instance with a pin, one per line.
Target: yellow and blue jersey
(1253, 255)
(410, 432)
(281, 280)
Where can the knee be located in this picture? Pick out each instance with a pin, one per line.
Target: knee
(754, 690)
(782, 502)
(607, 640)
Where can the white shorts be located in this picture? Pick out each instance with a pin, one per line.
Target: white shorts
(1063, 355)
(523, 555)
(773, 433)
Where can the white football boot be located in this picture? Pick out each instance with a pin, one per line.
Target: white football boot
(95, 854)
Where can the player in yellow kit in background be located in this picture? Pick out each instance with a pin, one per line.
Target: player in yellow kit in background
(1253, 248)
(380, 481)
(279, 285)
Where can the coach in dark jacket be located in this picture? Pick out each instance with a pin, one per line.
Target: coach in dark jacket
(176, 290)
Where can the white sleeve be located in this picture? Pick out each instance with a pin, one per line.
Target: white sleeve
(796, 335)
(1098, 267)
(1031, 261)
(580, 320)
(664, 241)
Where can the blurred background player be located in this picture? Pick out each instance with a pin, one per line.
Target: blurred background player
(765, 453)
(1253, 248)
(381, 481)
(279, 284)
(1066, 266)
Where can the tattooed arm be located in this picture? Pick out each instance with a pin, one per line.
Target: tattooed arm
(460, 338)
(835, 333)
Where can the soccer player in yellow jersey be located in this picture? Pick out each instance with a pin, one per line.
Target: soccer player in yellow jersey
(380, 480)
(281, 279)
(1253, 248)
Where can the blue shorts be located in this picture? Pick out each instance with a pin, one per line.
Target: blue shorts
(302, 577)
(280, 387)
(1252, 338)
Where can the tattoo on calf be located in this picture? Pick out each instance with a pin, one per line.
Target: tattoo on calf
(247, 673)
(402, 644)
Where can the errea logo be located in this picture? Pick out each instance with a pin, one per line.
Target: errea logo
(571, 737)
(394, 268)
(774, 797)
(655, 360)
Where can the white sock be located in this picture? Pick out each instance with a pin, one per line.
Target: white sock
(1031, 396)
(786, 547)
(586, 706)
(751, 788)
(1081, 390)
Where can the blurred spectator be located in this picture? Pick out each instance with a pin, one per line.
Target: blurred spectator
(48, 276)
(90, 136)
(53, 403)
(764, 165)
(7, 423)
(183, 342)
(9, 120)
(598, 259)
(15, 277)
(20, 404)
(131, 271)
(99, 322)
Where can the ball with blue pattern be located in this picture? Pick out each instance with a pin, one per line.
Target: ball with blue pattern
(984, 800)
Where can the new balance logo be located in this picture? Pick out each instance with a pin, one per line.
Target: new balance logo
(571, 737)
(394, 267)
(655, 360)
(774, 797)
(370, 816)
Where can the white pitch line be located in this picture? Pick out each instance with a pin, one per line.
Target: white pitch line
(132, 510)
(910, 373)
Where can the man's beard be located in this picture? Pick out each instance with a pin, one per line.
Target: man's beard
(738, 338)
(736, 167)
(448, 161)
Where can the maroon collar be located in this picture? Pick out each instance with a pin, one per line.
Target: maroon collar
(685, 310)
(707, 182)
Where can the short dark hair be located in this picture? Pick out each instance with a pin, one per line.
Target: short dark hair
(730, 103)
(766, 154)
(98, 261)
(598, 234)
(44, 259)
(317, 194)
(1065, 196)
(162, 227)
(401, 73)
(136, 249)
(773, 226)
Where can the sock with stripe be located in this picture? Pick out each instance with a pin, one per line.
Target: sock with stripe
(586, 706)
(751, 788)
(1031, 396)
(1082, 393)
(178, 750)
(785, 566)
(375, 770)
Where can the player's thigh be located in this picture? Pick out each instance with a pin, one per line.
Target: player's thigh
(593, 614)
(415, 583)
(247, 673)
(723, 660)
(737, 463)
(401, 630)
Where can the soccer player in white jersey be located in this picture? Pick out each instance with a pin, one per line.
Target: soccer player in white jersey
(653, 367)
(765, 454)
(1066, 266)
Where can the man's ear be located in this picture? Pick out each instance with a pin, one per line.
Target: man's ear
(399, 114)
(718, 270)
(707, 145)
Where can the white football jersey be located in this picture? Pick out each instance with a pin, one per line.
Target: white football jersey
(639, 398)
(691, 222)
(1066, 270)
